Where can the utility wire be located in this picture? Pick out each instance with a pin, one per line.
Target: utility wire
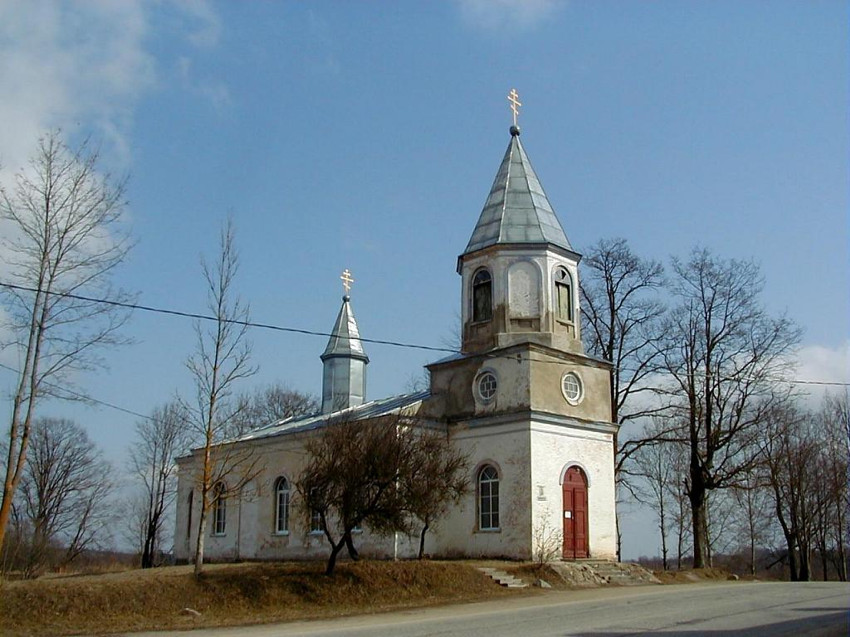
(84, 397)
(291, 330)
(206, 317)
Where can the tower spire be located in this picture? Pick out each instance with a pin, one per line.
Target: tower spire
(344, 359)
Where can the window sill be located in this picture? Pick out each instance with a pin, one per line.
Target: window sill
(498, 530)
(280, 533)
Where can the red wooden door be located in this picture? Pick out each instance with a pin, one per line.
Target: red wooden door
(575, 514)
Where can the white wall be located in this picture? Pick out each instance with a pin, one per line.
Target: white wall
(555, 448)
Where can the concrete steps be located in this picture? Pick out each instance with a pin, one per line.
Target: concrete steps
(619, 574)
(502, 578)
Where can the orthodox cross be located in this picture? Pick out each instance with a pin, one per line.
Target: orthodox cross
(513, 98)
(346, 280)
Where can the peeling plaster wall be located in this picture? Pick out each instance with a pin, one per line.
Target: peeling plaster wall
(506, 447)
(250, 523)
(554, 448)
(510, 325)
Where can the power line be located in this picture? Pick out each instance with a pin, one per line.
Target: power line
(206, 317)
(294, 330)
(291, 330)
(84, 397)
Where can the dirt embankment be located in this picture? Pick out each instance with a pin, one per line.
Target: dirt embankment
(230, 595)
(236, 594)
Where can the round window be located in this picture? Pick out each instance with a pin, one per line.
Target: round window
(571, 388)
(486, 385)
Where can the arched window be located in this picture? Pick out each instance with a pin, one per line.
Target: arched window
(563, 294)
(281, 505)
(316, 525)
(482, 296)
(488, 499)
(219, 509)
(189, 515)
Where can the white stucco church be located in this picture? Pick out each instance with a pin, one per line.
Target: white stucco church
(530, 409)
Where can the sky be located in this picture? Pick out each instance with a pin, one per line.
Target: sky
(366, 135)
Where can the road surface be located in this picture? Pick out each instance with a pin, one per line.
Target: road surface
(722, 610)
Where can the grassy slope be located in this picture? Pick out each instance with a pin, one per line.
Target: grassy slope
(229, 595)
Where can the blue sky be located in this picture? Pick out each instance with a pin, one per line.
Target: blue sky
(365, 135)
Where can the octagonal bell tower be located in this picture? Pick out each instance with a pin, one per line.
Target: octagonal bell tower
(519, 272)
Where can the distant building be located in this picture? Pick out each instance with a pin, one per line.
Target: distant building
(523, 400)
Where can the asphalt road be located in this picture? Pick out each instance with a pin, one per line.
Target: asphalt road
(729, 609)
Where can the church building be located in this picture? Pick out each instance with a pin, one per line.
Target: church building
(522, 399)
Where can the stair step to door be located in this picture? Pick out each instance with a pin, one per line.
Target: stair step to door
(502, 578)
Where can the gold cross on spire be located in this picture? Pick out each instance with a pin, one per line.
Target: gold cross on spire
(513, 98)
(346, 280)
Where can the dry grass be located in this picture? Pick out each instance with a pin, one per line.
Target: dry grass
(692, 575)
(230, 595)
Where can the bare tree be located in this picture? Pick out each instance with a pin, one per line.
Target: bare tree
(621, 315)
(657, 465)
(436, 479)
(364, 473)
(221, 360)
(832, 427)
(724, 356)
(789, 452)
(64, 494)
(65, 240)
(269, 405)
(753, 514)
(158, 440)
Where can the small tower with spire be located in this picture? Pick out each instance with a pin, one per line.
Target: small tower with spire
(520, 273)
(344, 359)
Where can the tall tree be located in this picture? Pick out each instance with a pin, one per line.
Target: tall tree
(437, 478)
(753, 516)
(64, 494)
(833, 426)
(270, 404)
(724, 355)
(659, 466)
(789, 452)
(621, 315)
(370, 472)
(158, 440)
(65, 239)
(221, 359)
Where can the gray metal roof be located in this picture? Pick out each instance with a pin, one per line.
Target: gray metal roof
(517, 210)
(371, 409)
(345, 337)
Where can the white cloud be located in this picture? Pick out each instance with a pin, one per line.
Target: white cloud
(206, 29)
(493, 15)
(214, 91)
(84, 66)
(79, 66)
(823, 365)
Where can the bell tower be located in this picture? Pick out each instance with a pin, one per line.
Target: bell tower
(519, 272)
(521, 350)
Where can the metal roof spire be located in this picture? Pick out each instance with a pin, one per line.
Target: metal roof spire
(345, 337)
(517, 209)
(344, 360)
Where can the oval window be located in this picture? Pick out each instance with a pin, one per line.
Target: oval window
(486, 385)
(572, 388)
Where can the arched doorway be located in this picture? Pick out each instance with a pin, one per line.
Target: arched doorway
(575, 514)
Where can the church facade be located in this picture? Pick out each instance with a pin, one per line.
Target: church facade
(522, 400)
